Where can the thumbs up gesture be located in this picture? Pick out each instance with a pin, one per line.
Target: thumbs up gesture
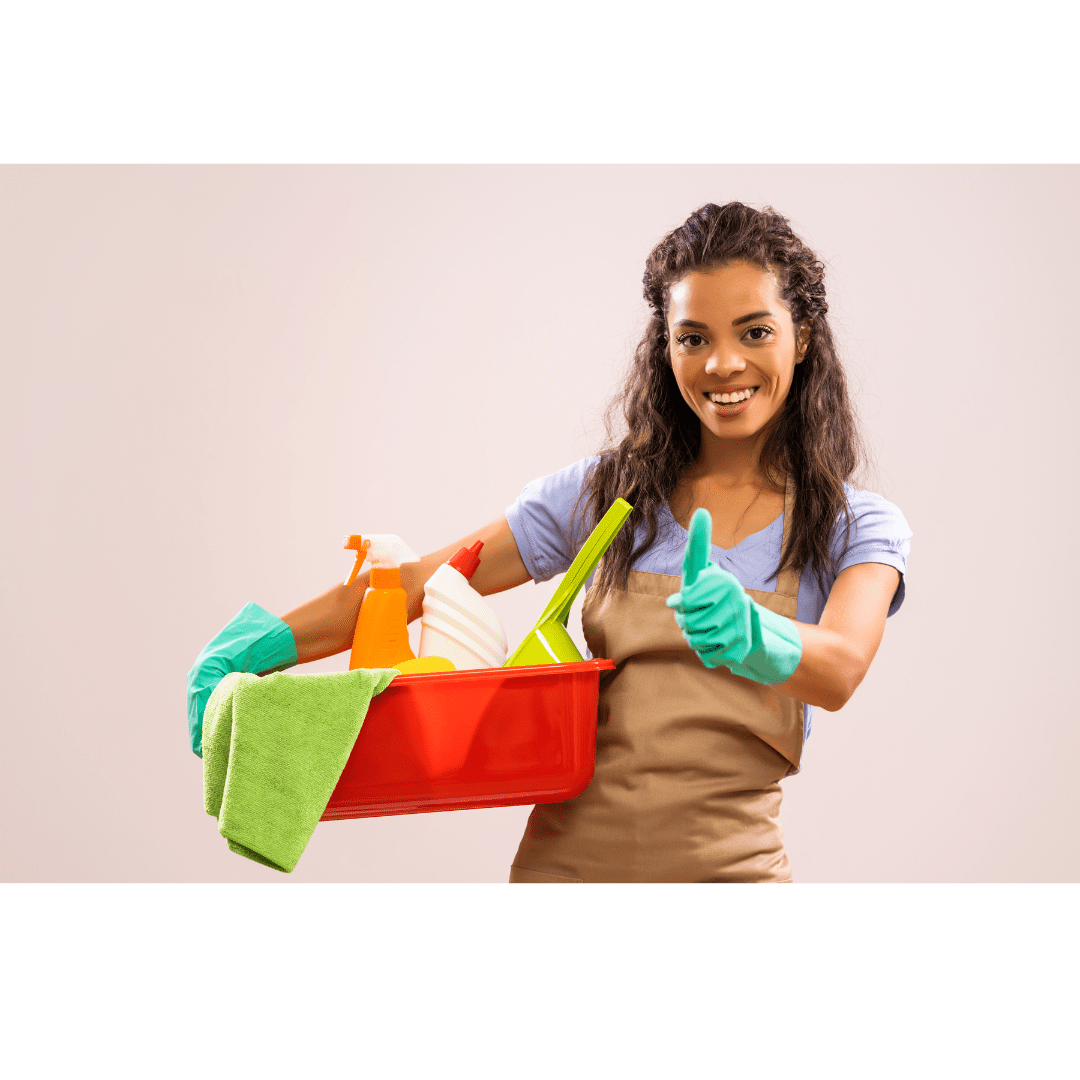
(723, 625)
(712, 608)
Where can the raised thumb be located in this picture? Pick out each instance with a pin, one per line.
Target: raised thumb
(696, 556)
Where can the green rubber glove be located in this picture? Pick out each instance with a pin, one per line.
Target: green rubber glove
(722, 624)
(253, 641)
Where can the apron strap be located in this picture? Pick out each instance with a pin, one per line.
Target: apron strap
(787, 584)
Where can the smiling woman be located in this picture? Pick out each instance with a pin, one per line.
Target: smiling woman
(738, 425)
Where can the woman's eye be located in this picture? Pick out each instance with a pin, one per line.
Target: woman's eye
(691, 340)
(759, 333)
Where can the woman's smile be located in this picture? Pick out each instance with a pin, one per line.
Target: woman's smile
(733, 401)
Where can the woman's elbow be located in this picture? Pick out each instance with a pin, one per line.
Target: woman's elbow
(831, 700)
(845, 681)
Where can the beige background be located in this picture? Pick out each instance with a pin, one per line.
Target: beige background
(212, 374)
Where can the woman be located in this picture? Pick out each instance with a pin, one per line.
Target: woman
(736, 407)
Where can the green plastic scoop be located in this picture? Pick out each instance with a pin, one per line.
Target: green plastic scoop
(549, 642)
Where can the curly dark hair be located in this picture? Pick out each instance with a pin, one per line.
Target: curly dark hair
(815, 438)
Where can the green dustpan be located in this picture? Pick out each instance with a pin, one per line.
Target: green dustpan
(549, 642)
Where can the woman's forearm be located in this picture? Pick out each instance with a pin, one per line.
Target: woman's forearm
(324, 626)
(829, 671)
(838, 651)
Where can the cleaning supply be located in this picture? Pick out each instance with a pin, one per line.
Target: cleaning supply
(549, 642)
(425, 665)
(382, 634)
(457, 622)
(274, 749)
(360, 546)
(722, 624)
(253, 640)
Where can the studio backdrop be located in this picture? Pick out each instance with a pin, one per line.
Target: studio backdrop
(212, 374)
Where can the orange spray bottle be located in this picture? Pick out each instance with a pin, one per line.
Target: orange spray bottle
(381, 639)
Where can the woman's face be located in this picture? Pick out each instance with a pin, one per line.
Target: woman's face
(730, 334)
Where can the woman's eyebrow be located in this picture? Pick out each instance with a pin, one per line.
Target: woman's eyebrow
(690, 322)
(752, 315)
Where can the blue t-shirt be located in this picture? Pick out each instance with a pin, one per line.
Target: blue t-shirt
(540, 522)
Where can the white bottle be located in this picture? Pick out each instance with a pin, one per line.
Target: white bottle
(457, 622)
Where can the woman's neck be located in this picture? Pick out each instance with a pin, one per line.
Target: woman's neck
(730, 463)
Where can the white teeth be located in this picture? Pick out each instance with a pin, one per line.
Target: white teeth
(732, 399)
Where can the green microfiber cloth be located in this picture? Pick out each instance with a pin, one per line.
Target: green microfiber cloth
(273, 750)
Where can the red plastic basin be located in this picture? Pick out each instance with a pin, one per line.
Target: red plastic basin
(463, 740)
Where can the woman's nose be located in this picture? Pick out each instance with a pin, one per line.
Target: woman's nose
(724, 362)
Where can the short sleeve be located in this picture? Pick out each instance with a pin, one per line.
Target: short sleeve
(540, 520)
(879, 533)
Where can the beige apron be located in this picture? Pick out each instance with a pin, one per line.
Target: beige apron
(688, 758)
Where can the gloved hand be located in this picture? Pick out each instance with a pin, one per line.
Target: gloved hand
(254, 641)
(722, 624)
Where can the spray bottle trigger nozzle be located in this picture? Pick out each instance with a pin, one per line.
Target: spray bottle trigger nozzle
(360, 546)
